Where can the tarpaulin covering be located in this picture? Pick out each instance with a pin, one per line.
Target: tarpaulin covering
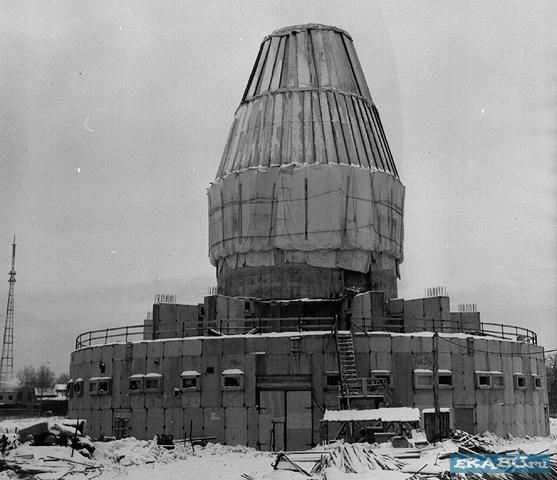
(322, 215)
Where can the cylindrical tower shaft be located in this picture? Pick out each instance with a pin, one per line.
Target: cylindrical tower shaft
(307, 199)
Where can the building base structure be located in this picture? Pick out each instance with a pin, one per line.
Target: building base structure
(269, 389)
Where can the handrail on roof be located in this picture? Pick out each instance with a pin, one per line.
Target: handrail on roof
(244, 326)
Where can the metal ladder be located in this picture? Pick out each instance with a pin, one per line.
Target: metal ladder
(350, 384)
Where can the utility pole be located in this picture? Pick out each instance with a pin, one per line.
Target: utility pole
(7, 359)
(437, 413)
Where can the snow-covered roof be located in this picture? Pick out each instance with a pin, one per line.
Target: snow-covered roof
(137, 375)
(422, 370)
(232, 371)
(190, 373)
(156, 375)
(93, 379)
(432, 410)
(381, 372)
(394, 414)
(488, 372)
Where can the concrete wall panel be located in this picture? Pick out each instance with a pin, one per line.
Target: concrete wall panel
(155, 422)
(210, 392)
(193, 421)
(380, 343)
(256, 343)
(236, 432)
(252, 427)
(213, 423)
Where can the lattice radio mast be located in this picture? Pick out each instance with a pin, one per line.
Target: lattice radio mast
(7, 360)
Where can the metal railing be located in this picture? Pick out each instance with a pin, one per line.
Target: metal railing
(242, 326)
(239, 326)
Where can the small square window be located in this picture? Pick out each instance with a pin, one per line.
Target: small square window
(445, 380)
(190, 379)
(77, 389)
(10, 397)
(92, 387)
(537, 381)
(332, 380)
(520, 381)
(136, 383)
(498, 380)
(210, 370)
(423, 378)
(103, 387)
(231, 382)
(189, 382)
(483, 380)
(152, 382)
(232, 379)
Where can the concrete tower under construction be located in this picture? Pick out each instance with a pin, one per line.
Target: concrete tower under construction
(307, 200)
(306, 328)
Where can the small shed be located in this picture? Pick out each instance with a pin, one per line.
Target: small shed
(373, 425)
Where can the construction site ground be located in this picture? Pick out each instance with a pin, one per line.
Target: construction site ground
(142, 460)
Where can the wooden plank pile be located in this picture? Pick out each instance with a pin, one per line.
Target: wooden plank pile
(357, 458)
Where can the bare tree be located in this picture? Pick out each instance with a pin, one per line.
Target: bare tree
(62, 378)
(40, 379)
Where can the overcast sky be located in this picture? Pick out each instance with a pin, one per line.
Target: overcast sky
(114, 116)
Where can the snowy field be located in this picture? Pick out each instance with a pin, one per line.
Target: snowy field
(142, 460)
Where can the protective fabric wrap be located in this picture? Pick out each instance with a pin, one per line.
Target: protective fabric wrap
(334, 216)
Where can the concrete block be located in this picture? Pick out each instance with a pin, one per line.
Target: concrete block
(233, 361)
(192, 362)
(330, 362)
(94, 426)
(277, 364)
(279, 345)
(256, 344)
(119, 351)
(194, 346)
(211, 390)
(437, 308)
(470, 321)
(211, 363)
(413, 314)
(234, 398)
(494, 362)
(396, 306)
(380, 342)
(253, 427)
(402, 377)
(234, 346)
(173, 348)
(400, 344)
(155, 422)
(213, 423)
(173, 423)
(236, 432)
(482, 418)
(138, 365)
(382, 362)
(362, 364)
(139, 350)
(361, 343)
(249, 381)
(137, 400)
(193, 422)
(480, 361)
(190, 399)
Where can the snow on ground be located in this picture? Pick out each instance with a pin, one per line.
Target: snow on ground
(144, 460)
